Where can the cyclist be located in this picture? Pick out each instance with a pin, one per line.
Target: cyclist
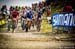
(15, 15)
(34, 20)
(4, 11)
(23, 17)
(39, 20)
(29, 17)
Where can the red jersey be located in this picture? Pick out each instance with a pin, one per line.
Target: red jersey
(15, 13)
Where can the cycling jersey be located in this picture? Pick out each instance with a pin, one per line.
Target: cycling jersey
(29, 14)
(15, 14)
(39, 15)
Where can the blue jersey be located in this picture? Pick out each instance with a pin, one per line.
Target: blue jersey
(29, 15)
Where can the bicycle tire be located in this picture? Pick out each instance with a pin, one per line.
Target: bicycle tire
(26, 28)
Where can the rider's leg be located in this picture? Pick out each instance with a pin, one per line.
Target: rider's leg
(23, 25)
(8, 23)
(38, 25)
(14, 25)
(33, 23)
(12, 28)
(28, 24)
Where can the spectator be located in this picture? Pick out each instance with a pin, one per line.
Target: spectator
(67, 8)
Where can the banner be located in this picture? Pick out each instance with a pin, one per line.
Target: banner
(63, 19)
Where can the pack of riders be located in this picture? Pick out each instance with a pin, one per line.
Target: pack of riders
(29, 16)
(26, 13)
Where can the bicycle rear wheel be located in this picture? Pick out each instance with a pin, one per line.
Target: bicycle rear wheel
(26, 26)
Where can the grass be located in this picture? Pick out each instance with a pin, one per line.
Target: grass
(56, 9)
